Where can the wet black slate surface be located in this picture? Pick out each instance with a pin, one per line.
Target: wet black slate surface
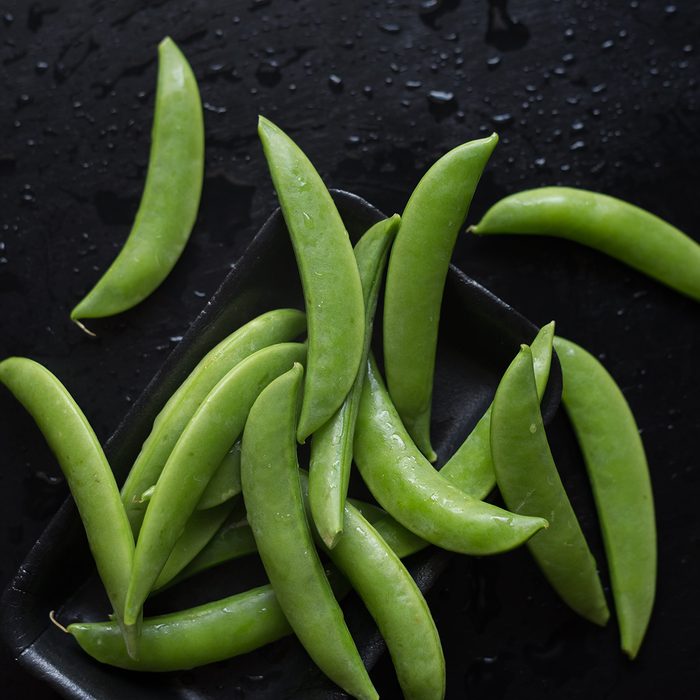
(601, 95)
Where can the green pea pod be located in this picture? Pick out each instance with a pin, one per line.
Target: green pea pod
(87, 472)
(331, 446)
(273, 498)
(617, 468)
(530, 484)
(396, 604)
(615, 227)
(471, 466)
(216, 424)
(190, 638)
(170, 197)
(280, 325)
(407, 486)
(200, 528)
(329, 277)
(415, 280)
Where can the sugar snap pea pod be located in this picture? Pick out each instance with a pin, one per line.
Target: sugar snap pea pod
(416, 276)
(200, 528)
(617, 468)
(407, 486)
(89, 476)
(170, 197)
(396, 604)
(329, 277)
(273, 498)
(216, 424)
(277, 326)
(615, 227)
(471, 466)
(190, 638)
(530, 484)
(331, 446)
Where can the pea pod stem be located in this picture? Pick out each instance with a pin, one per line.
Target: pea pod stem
(529, 482)
(331, 446)
(617, 469)
(273, 498)
(329, 277)
(416, 277)
(632, 235)
(170, 198)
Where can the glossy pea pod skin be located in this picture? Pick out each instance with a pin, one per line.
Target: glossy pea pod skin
(415, 280)
(634, 236)
(395, 602)
(331, 445)
(529, 482)
(617, 469)
(471, 466)
(170, 198)
(89, 476)
(329, 277)
(277, 326)
(193, 637)
(214, 427)
(274, 502)
(407, 486)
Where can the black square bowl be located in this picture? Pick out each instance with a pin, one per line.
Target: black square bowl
(479, 336)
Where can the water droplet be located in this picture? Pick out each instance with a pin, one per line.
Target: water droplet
(493, 62)
(607, 44)
(41, 67)
(441, 97)
(335, 82)
(502, 119)
(390, 27)
(670, 9)
(577, 145)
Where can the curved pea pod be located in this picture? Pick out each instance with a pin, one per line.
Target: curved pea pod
(190, 638)
(415, 280)
(89, 476)
(615, 227)
(396, 604)
(216, 424)
(170, 197)
(329, 277)
(407, 486)
(471, 466)
(331, 446)
(617, 469)
(530, 484)
(273, 498)
(277, 326)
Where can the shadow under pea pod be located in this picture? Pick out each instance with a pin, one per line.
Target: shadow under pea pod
(479, 336)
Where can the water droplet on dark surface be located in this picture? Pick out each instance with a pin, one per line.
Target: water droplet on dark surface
(335, 82)
(502, 119)
(390, 27)
(413, 84)
(493, 62)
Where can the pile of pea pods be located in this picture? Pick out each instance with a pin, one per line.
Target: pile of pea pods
(224, 447)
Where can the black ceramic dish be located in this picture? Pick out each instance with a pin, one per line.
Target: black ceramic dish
(479, 336)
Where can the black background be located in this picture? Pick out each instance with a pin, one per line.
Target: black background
(602, 95)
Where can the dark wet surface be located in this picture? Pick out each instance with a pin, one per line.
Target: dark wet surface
(602, 95)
